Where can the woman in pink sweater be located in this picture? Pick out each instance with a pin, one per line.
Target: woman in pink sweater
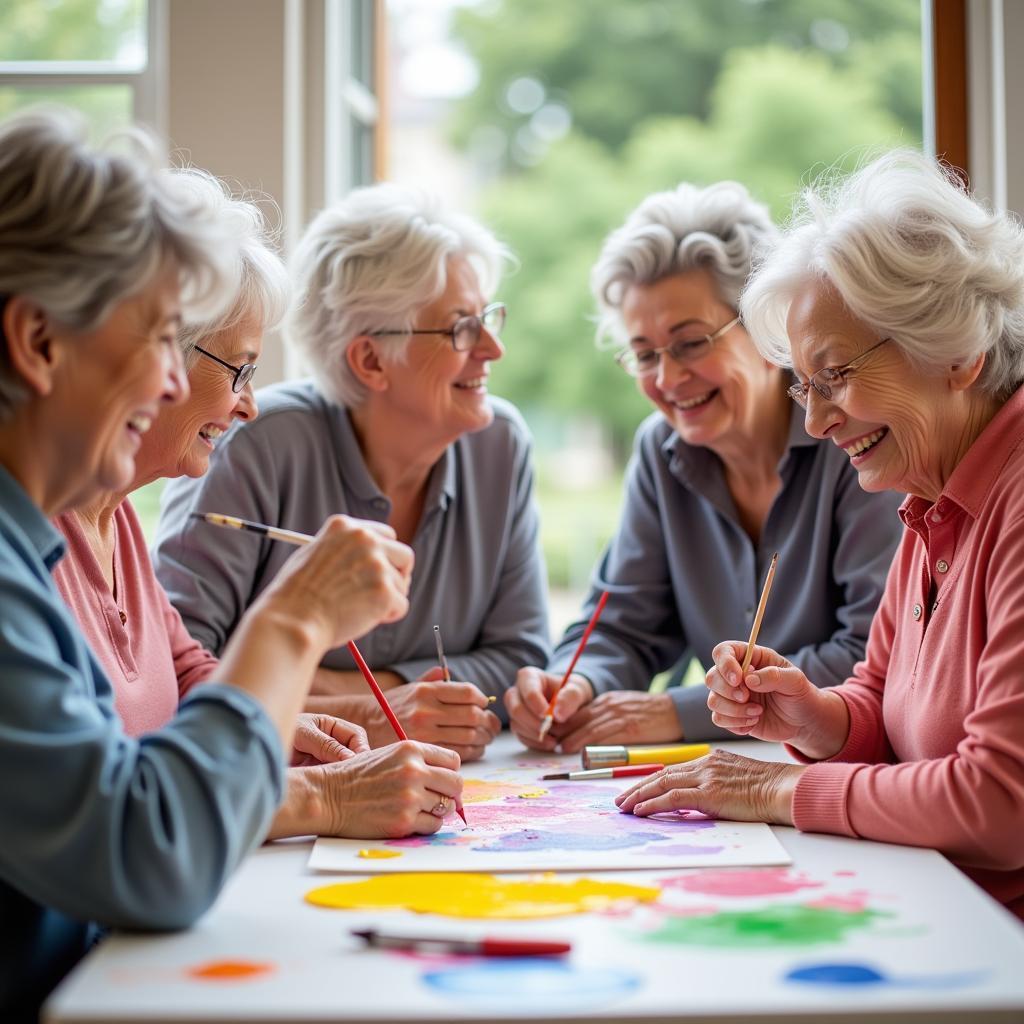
(336, 785)
(899, 303)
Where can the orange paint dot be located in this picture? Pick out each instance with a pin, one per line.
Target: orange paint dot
(229, 970)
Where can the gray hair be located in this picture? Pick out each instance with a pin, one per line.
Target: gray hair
(83, 228)
(261, 286)
(370, 263)
(717, 228)
(913, 256)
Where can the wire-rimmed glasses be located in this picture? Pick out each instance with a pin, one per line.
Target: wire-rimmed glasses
(829, 381)
(642, 362)
(243, 374)
(465, 333)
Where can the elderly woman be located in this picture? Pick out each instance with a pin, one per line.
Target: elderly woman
(394, 314)
(108, 581)
(899, 301)
(99, 827)
(722, 476)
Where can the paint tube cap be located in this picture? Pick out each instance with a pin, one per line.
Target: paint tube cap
(604, 757)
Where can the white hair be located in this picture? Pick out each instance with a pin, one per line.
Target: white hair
(83, 228)
(913, 256)
(261, 286)
(370, 263)
(717, 228)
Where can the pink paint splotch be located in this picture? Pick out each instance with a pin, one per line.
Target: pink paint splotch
(742, 882)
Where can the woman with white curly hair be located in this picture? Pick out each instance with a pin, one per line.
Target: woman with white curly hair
(722, 476)
(394, 315)
(899, 302)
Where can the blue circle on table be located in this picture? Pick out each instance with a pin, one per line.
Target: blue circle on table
(838, 974)
(531, 982)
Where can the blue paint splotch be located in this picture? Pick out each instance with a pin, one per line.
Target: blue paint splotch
(539, 839)
(531, 984)
(854, 975)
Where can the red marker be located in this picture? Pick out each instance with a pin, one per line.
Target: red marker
(622, 772)
(472, 947)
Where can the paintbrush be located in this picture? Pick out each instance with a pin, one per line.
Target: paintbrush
(620, 772)
(549, 715)
(759, 615)
(291, 537)
(443, 661)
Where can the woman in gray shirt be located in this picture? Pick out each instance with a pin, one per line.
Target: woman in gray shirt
(393, 315)
(722, 476)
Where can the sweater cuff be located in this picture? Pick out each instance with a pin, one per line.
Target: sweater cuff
(820, 799)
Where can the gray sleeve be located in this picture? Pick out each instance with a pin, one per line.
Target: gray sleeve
(867, 528)
(131, 833)
(515, 630)
(639, 633)
(211, 575)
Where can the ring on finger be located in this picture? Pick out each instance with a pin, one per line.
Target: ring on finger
(440, 809)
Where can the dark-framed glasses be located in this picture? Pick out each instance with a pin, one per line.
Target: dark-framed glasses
(465, 332)
(829, 381)
(642, 362)
(243, 374)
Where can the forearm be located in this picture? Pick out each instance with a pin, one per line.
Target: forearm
(272, 657)
(335, 682)
(302, 812)
(826, 736)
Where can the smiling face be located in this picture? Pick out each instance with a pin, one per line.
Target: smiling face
(434, 390)
(891, 419)
(110, 385)
(183, 438)
(712, 401)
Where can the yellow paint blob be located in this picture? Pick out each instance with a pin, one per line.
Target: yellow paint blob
(379, 854)
(533, 794)
(478, 791)
(453, 894)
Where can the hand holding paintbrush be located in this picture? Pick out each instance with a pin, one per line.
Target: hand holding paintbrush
(302, 539)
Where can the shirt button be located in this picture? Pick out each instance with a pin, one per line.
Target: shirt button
(917, 611)
(942, 565)
(936, 517)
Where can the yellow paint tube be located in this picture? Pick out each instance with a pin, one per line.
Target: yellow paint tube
(611, 757)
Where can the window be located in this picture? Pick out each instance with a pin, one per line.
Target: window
(100, 56)
(552, 120)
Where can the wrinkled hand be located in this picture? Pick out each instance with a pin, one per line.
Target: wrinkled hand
(399, 790)
(720, 785)
(321, 739)
(353, 577)
(775, 701)
(620, 716)
(527, 703)
(454, 715)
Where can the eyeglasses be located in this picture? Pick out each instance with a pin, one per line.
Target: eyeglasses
(829, 381)
(243, 374)
(642, 362)
(465, 332)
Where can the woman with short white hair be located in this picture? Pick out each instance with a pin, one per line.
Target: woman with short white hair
(394, 314)
(99, 828)
(334, 785)
(723, 475)
(899, 302)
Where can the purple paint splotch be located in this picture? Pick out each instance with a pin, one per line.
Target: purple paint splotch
(681, 850)
(536, 839)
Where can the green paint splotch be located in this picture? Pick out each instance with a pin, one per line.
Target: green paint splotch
(783, 925)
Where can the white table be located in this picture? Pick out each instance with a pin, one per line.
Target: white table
(941, 950)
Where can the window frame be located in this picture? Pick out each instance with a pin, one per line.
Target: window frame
(148, 83)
